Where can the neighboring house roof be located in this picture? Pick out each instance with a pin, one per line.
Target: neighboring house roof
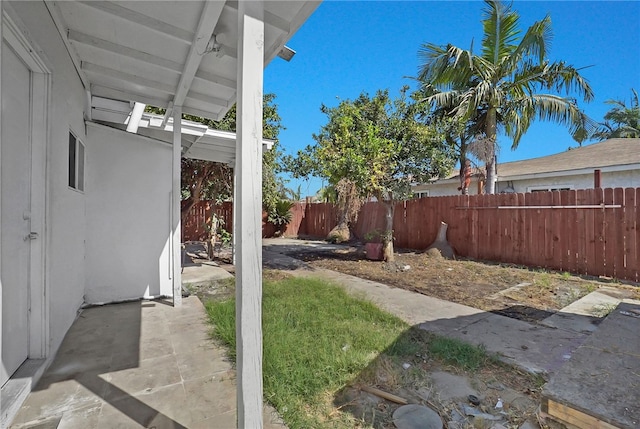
(602, 155)
(608, 155)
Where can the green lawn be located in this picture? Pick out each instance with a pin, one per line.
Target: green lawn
(317, 339)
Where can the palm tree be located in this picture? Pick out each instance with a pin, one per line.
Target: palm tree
(499, 89)
(621, 121)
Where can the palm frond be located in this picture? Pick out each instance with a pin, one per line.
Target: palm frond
(536, 41)
(501, 31)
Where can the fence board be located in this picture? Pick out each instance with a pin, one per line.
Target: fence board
(610, 236)
(571, 233)
(590, 232)
(593, 241)
(544, 230)
(598, 230)
(632, 217)
(620, 221)
(630, 259)
(581, 253)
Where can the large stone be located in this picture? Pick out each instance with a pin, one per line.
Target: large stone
(414, 416)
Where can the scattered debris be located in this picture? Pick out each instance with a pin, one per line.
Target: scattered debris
(385, 395)
(406, 365)
(416, 416)
(474, 400)
(499, 404)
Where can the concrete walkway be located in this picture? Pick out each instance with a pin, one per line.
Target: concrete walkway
(534, 348)
(146, 364)
(142, 364)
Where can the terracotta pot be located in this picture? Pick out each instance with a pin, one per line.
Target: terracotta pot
(373, 251)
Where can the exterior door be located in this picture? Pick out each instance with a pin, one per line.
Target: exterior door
(15, 204)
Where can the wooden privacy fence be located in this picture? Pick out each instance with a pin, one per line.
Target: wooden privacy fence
(591, 231)
(194, 227)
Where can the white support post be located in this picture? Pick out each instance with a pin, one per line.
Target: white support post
(249, 205)
(1, 143)
(176, 257)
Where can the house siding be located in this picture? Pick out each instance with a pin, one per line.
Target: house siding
(128, 216)
(608, 179)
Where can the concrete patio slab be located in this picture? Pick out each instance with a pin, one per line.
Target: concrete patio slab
(137, 365)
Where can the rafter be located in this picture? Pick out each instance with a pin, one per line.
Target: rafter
(118, 94)
(208, 19)
(269, 18)
(127, 77)
(61, 26)
(134, 54)
(210, 77)
(141, 19)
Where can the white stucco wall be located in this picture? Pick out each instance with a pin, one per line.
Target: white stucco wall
(65, 218)
(608, 179)
(442, 188)
(128, 216)
(611, 179)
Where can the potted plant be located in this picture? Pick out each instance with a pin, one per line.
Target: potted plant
(281, 215)
(373, 245)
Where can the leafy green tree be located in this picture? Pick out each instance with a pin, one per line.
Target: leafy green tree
(377, 147)
(621, 121)
(503, 87)
(206, 180)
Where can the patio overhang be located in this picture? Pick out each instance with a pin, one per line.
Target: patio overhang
(196, 57)
(198, 140)
(167, 53)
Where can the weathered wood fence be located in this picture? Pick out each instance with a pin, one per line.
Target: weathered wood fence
(591, 231)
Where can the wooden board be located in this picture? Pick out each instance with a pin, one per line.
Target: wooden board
(601, 382)
(567, 415)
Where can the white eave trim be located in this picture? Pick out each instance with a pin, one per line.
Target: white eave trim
(565, 173)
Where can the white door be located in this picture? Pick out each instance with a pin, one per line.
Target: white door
(15, 185)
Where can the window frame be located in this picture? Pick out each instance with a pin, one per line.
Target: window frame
(76, 163)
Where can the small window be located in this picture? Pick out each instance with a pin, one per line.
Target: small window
(550, 188)
(420, 194)
(76, 163)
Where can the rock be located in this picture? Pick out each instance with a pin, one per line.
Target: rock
(477, 414)
(414, 416)
(441, 247)
(530, 425)
(450, 386)
(434, 253)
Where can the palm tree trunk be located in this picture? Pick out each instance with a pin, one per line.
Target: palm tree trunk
(490, 131)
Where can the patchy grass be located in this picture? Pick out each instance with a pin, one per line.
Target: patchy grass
(316, 339)
(460, 354)
(321, 346)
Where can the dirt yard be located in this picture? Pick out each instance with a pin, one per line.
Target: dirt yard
(514, 291)
(519, 292)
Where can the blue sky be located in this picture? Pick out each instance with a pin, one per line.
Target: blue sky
(347, 47)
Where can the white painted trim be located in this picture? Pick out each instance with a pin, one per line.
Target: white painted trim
(141, 20)
(134, 118)
(209, 17)
(554, 187)
(248, 221)
(58, 21)
(32, 55)
(118, 131)
(130, 53)
(2, 409)
(565, 173)
(176, 259)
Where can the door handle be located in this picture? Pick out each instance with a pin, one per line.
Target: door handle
(31, 236)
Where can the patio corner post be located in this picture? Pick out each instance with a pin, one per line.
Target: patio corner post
(176, 249)
(249, 205)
